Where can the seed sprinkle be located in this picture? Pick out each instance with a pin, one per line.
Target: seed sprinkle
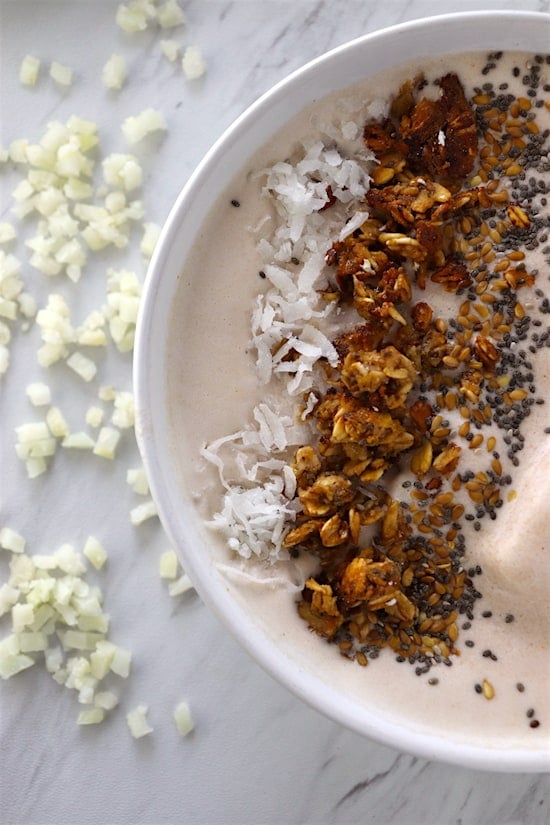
(487, 380)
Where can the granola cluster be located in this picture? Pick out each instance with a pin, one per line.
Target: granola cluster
(381, 582)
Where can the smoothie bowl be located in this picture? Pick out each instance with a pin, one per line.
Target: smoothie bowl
(341, 376)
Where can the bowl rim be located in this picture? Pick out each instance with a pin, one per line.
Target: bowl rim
(262, 650)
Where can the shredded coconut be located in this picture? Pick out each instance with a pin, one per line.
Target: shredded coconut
(259, 488)
(286, 323)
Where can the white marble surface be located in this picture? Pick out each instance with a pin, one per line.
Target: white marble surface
(258, 756)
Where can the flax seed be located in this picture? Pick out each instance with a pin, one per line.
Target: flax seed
(481, 309)
(487, 689)
(518, 394)
(499, 197)
(457, 512)
(450, 400)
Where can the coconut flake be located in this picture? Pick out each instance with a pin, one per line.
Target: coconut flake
(354, 223)
(286, 320)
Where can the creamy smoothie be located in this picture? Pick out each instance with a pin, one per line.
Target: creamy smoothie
(255, 321)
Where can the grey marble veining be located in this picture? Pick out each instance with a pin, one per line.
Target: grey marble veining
(258, 755)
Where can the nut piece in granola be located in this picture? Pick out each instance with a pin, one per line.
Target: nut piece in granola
(387, 373)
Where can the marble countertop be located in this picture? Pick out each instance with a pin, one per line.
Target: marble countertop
(257, 756)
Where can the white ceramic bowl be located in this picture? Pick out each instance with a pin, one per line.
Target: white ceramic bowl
(298, 659)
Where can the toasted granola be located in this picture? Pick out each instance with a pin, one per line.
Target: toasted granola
(384, 574)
